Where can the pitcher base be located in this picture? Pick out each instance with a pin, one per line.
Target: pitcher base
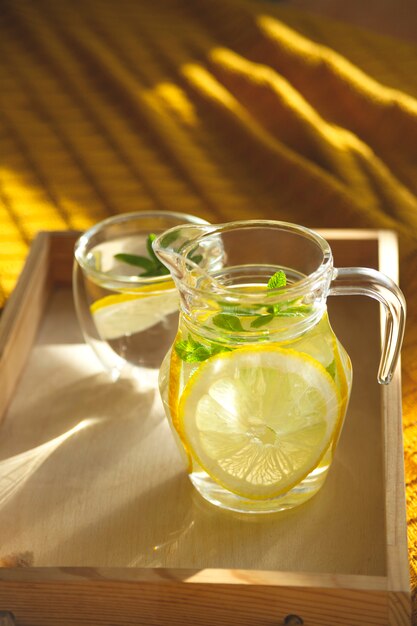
(217, 495)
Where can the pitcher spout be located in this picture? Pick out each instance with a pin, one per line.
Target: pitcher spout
(185, 251)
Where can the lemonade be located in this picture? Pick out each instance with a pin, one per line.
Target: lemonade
(257, 419)
(256, 384)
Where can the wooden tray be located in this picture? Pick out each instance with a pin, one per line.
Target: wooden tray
(100, 526)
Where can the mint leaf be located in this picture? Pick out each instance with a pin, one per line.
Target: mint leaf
(152, 255)
(134, 259)
(170, 238)
(152, 266)
(283, 310)
(261, 320)
(294, 311)
(332, 369)
(199, 354)
(228, 322)
(235, 309)
(191, 351)
(155, 271)
(277, 280)
(192, 342)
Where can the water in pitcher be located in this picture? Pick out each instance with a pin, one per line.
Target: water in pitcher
(257, 419)
(256, 384)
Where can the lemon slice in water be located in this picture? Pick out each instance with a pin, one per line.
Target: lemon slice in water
(127, 313)
(259, 419)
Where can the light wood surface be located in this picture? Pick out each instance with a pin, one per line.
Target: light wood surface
(94, 498)
(133, 604)
(20, 320)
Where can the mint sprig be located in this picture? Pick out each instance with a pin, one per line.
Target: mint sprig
(226, 321)
(262, 320)
(192, 351)
(331, 369)
(230, 317)
(291, 311)
(277, 280)
(285, 309)
(151, 265)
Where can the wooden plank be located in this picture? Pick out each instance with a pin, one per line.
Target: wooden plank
(28, 575)
(354, 247)
(21, 317)
(399, 605)
(105, 604)
(62, 255)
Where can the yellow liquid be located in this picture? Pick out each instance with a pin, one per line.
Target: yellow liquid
(220, 480)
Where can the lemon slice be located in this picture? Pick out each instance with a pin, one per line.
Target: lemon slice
(124, 314)
(343, 367)
(259, 419)
(175, 375)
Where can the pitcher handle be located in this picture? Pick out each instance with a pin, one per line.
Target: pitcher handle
(369, 282)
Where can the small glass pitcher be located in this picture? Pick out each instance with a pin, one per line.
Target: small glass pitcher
(256, 384)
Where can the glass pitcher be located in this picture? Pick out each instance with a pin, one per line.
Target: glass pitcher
(256, 384)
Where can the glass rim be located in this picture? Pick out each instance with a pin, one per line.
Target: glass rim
(322, 269)
(117, 281)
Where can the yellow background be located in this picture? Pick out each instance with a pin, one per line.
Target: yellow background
(221, 108)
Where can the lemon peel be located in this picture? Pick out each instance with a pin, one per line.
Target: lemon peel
(259, 419)
(125, 314)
